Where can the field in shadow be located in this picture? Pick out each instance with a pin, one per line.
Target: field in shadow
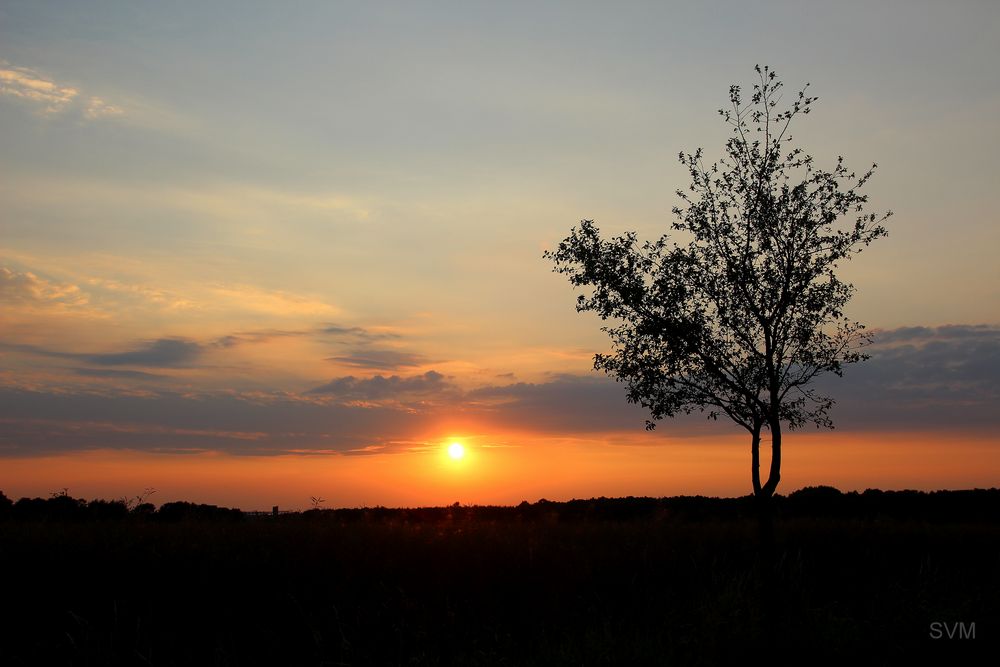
(606, 581)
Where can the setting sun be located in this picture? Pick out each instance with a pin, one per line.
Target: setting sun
(456, 450)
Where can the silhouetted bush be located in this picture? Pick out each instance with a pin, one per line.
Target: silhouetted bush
(106, 509)
(816, 501)
(181, 510)
(60, 507)
(144, 509)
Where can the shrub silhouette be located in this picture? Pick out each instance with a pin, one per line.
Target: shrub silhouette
(181, 510)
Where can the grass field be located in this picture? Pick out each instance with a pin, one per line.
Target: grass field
(628, 581)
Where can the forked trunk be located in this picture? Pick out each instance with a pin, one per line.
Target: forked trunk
(766, 490)
(774, 474)
(768, 550)
(755, 460)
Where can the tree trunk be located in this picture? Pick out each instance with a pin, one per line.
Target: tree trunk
(774, 475)
(762, 494)
(771, 577)
(755, 461)
(762, 500)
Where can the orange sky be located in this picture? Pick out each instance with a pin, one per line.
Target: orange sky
(619, 465)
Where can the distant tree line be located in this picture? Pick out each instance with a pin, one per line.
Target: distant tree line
(63, 507)
(816, 501)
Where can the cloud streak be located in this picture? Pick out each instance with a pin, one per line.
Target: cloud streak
(161, 353)
(918, 380)
(565, 403)
(331, 331)
(379, 388)
(376, 359)
(25, 84)
(24, 287)
(250, 298)
(116, 374)
(42, 422)
(97, 108)
(923, 377)
(51, 98)
(361, 333)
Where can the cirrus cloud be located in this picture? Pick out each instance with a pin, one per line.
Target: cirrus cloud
(378, 359)
(25, 287)
(160, 353)
(380, 387)
(25, 84)
(48, 97)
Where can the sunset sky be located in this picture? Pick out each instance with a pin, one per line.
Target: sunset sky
(256, 252)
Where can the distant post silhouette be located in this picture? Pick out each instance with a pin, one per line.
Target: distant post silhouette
(740, 316)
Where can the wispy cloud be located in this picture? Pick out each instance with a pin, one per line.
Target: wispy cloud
(375, 359)
(214, 297)
(40, 422)
(921, 335)
(98, 108)
(25, 84)
(270, 302)
(49, 97)
(338, 331)
(165, 352)
(116, 289)
(161, 353)
(563, 403)
(26, 287)
(249, 337)
(377, 388)
(116, 374)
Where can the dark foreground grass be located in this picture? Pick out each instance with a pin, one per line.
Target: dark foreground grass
(496, 588)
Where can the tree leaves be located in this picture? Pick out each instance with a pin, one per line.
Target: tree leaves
(743, 315)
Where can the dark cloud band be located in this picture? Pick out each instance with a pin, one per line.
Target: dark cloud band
(918, 379)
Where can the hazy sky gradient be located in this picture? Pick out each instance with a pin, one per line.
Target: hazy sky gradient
(259, 228)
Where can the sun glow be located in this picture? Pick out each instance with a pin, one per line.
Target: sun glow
(456, 450)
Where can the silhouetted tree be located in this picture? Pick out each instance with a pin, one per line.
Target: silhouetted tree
(740, 317)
